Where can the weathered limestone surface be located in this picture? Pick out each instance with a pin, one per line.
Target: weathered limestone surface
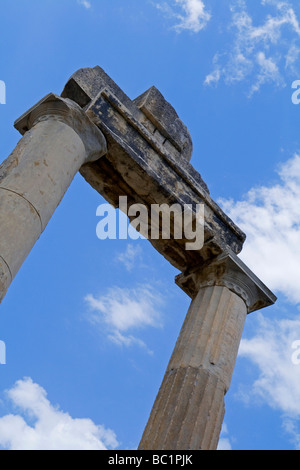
(189, 409)
(59, 138)
(149, 149)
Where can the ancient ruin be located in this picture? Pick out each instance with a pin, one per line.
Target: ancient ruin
(142, 150)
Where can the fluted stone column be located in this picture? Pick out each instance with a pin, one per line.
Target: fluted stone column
(58, 139)
(189, 409)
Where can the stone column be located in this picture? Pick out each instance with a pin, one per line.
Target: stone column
(58, 139)
(189, 409)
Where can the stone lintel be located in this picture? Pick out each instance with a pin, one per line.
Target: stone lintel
(229, 271)
(146, 162)
(69, 112)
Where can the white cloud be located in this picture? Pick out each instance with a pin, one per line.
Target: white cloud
(121, 311)
(85, 3)
(268, 73)
(277, 385)
(224, 442)
(270, 349)
(262, 53)
(213, 77)
(53, 429)
(270, 217)
(195, 18)
(193, 15)
(130, 257)
(292, 58)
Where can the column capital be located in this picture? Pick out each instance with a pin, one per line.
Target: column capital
(229, 271)
(67, 111)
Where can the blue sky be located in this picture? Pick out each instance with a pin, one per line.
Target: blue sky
(89, 325)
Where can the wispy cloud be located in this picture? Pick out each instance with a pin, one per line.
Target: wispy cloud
(53, 429)
(271, 350)
(277, 385)
(121, 312)
(261, 53)
(130, 257)
(85, 3)
(189, 15)
(224, 442)
(271, 218)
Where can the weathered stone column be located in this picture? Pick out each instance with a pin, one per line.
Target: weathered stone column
(59, 138)
(189, 409)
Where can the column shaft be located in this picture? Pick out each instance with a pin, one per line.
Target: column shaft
(189, 409)
(37, 174)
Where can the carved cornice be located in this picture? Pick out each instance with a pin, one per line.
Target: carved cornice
(228, 271)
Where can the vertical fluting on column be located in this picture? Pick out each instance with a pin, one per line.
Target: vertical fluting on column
(5, 276)
(59, 138)
(189, 409)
